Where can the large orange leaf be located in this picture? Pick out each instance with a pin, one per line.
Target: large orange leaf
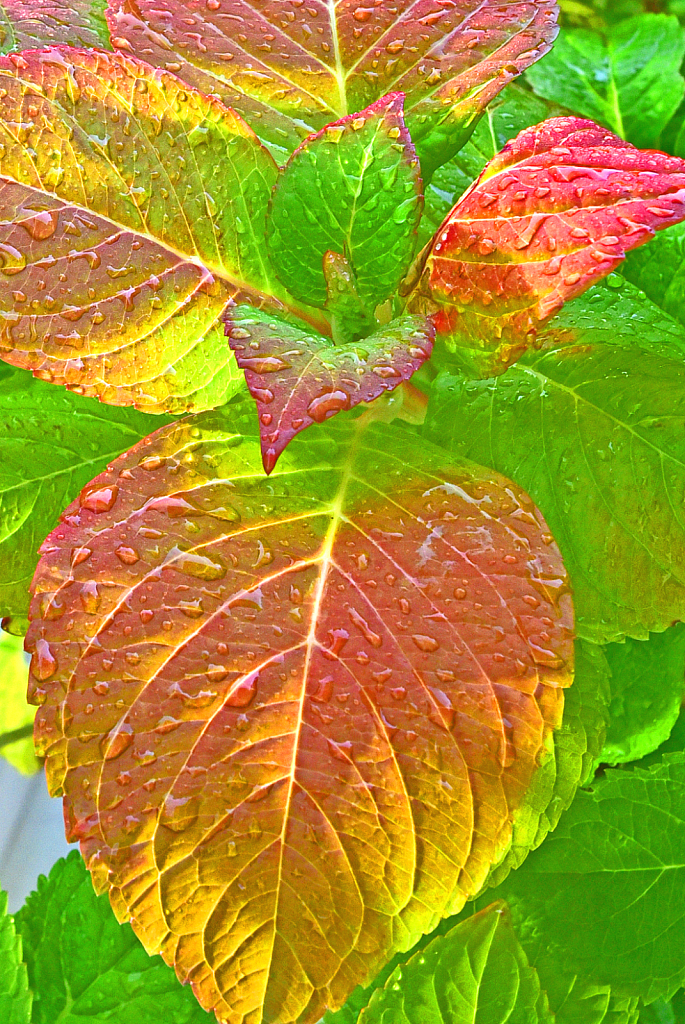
(290, 68)
(553, 213)
(292, 716)
(131, 210)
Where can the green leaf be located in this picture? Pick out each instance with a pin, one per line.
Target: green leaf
(353, 188)
(631, 82)
(647, 687)
(86, 968)
(477, 972)
(126, 238)
(594, 432)
(604, 898)
(664, 1011)
(658, 268)
(53, 442)
(15, 712)
(15, 997)
(27, 25)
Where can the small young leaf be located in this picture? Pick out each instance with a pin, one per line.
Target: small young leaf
(354, 188)
(27, 25)
(289, 71)
(630, 83)
(647, 689)
(15, 997)
(552, 214)
(298, 378)
(477, 972)
(15, 712)
(53, 443)
(118, 264)
(610, 478)
(316, 698)
(86, 968)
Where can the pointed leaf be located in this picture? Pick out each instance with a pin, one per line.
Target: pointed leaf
(298, 378)
(630, 81)
(658, 269)
(477, 972)
(290, 70)
(86, 968)
(124, 238)
(25, 24)
(53, 443)
(316, 697)
(15, 712)
(610, 478)
(647, 689)
(551, 215)
(353, 188)
(350, 320)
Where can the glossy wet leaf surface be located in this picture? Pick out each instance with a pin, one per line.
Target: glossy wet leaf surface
(289, 69)
(552, 214)
(15, 712)
(30, 24)
(319, 697)
(299, 378)
(53, 443)
(86, 968)
(629, 81)
(15, 997)
(594, 433)
(133, 209)
(477, 972)
(353, 188)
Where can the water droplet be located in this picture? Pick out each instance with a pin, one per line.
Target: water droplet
(178, 814)
(263, 364)
(100, 500)
(41, 225)
(129, 556)
(244, 692)
(43, 661)
(337, 640)
(117, 741)
(146, 615)
(323, 406)
(324, 690)
(172, 506)
(264, 395)
(425, 643)
(151, 462)
(167, 724)
(12, 261)
(90, 597)
(197, 566)
(362, 625)
(79, 555)
(193, 609)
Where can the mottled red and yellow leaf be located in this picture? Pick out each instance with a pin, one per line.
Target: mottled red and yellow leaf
(552, 214)
(131, 210)
(289, 67)
(25, 24)
(298, 378)
(292, 717)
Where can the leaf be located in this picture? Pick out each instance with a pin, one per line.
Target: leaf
(551, 215)
(53, 443)
(594, 433)
(15, 713)
(86, 968)
(647, 689)
(477, 972)
(631, 83)
(319, 739)
(353, 188)
(291, 71)
(15, 997)
(124, 240)
(350, 320)
(603, 897)
(658, 269)
(25, 25)
(298, 378)
(664, 1012)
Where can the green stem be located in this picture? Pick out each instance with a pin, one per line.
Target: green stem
(22, 733)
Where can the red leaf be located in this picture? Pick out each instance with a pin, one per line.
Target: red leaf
(291, 68)
(552, 214)
(293, 732)
(299, 378)
(30, 23)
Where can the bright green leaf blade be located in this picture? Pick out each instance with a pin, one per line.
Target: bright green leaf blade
(27, 24)
(476, 973)
(353, 188)
(647, 686)
(604, 897)
(632, 83)
(594, 432)
(15, 997)
(53, 443)
(132, 210)
(86, 968)
(658, 268)
(15, 712)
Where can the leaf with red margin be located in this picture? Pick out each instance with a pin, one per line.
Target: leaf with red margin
(131, 210)
(289, 68)
(550, 216)
(25, 24)
(292, 716)
(298, 378)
